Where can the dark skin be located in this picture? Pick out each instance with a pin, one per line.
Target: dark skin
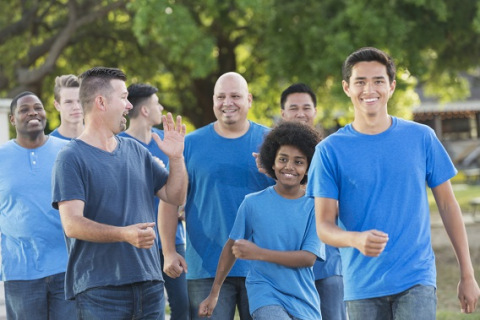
(290, 168)
(29, 120)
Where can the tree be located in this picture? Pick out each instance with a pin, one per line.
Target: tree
(276, 42)
(41, 39)
(182, 46)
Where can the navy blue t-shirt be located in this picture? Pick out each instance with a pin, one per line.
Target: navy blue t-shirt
(117, 189)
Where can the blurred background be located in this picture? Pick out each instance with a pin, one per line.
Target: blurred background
(183, 46)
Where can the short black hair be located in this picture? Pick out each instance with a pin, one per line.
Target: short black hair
(97, 79)
(13, 104)
(288, 133)
(368, 54)
(297, 88)
(137, 94)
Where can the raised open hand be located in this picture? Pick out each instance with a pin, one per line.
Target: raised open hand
(174, 137)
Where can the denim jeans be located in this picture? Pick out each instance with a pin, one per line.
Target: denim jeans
(418, 302)
(233, 293)
(272, 312)
(141, 300)
(38, 299)
(330, 291)
(177, 293)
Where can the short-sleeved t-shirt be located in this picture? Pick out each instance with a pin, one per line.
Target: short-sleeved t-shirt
(276, 223)
(117, 189)
(380, 183)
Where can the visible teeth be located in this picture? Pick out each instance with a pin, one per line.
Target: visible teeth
(370, 100)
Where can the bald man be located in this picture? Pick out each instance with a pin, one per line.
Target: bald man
(221, 172)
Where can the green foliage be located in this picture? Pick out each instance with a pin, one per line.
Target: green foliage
(173, 27)
(182, 46)
(447, 87)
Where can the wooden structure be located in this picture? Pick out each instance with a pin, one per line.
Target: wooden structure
(451, 121)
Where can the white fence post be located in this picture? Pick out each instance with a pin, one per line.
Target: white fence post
(4, 122)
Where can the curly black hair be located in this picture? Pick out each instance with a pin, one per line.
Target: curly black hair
(288, 133)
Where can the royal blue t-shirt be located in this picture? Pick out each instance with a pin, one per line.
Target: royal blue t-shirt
(380, 183)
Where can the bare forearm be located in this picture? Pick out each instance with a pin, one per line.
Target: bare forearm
(326, 210)
(455, 227)
(176, 186)
(291, 259)
(332, 235)
(225, 264)
(452, 218)
(85, 229)
(167, 226)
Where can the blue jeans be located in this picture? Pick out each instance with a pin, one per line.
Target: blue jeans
(38, 299)
(272, 312)
(141, 300)
(177, 293)
(418, 302)
(330, 291)
(233, 293)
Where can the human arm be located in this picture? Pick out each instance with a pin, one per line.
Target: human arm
(370, 243)
(468, 290)
(225, 264)
(174, 264)
(175, 189)
(260, 168)
(247, 250)
(75, 225)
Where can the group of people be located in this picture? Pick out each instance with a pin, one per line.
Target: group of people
(232, 217)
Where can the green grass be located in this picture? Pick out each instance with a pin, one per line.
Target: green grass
(448, 315)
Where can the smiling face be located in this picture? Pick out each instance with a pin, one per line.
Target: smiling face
(299, 107)
(231, 100)
(69, 106)
(29, 117)
(369, 89)
(290, 167)
(116, 106)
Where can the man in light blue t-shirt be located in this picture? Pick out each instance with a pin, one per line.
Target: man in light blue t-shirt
(221, 171)
(374, 173)
(34, 254)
